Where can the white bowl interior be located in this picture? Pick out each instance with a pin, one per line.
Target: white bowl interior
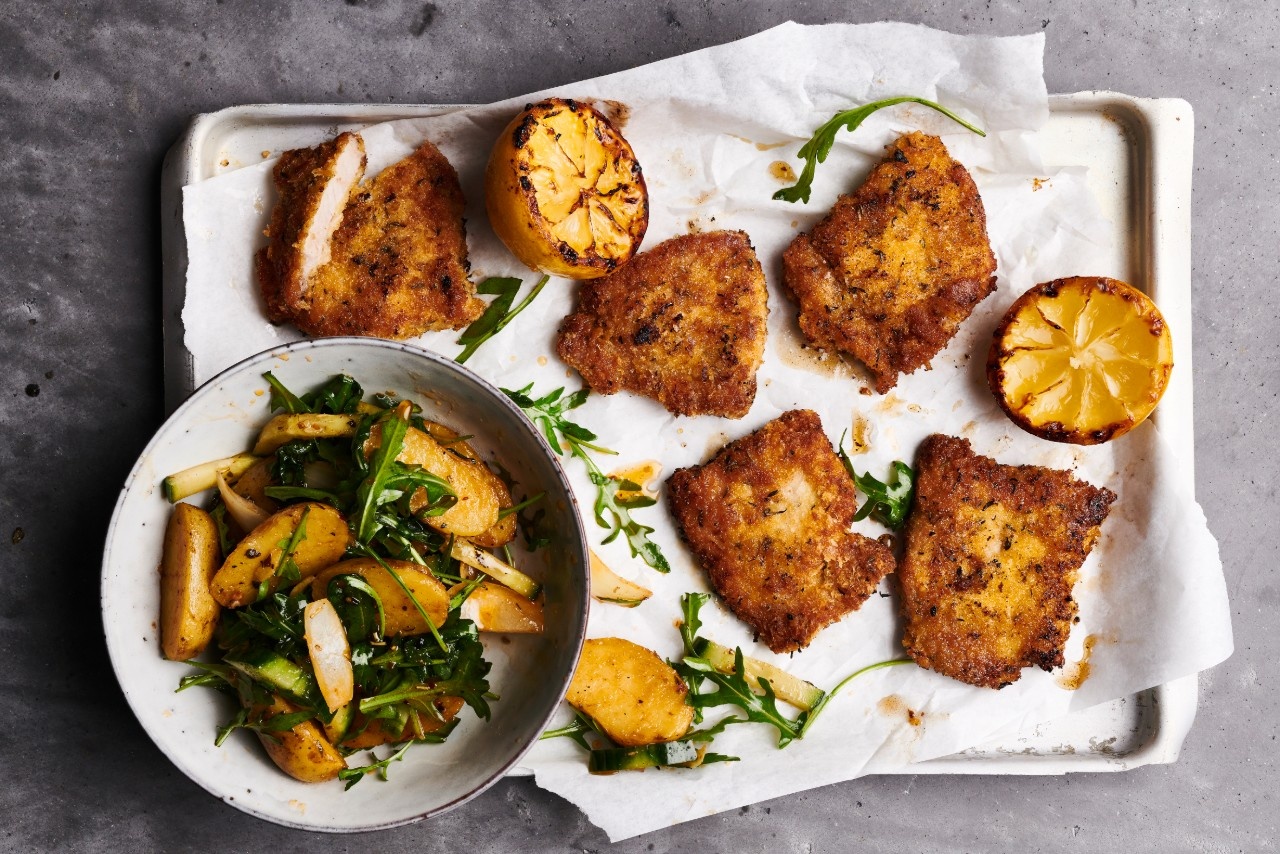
(530, 673)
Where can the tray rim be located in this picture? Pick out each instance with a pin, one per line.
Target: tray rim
(1164, 144)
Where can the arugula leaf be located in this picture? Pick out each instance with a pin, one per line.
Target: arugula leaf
(826, 698)
(282, 398)
(340, 395)
(498, 314)
(888, 503)
(815, 151)
(731, 688)
(370, 491)
(359, 607)
(611, 512)
(354, 775)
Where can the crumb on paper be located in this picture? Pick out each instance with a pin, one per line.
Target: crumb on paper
(1038, 183)
(266, 153)
(258, 392)
(542, 360)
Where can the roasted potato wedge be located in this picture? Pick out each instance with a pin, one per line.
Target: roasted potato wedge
(403, 617)
(258, 555)
(256, 478)
(503, 531)
(287, 427)
(634, 696)
(608, 586)
(495, 608)
(302, 752)
(564, 191)
(477, 507)
(188, 611)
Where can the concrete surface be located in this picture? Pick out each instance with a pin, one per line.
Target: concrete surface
(93, 93)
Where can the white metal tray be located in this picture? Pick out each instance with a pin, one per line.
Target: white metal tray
(1139, 154)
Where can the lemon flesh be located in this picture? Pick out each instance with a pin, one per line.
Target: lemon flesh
(1081, 360)
(564, 191)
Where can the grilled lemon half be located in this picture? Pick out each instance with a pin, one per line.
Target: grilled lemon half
(564, 191)
(1081, 360)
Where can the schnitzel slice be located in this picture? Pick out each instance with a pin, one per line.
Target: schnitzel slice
(895, 268)
(683, 323)
(315, 185)
(768, 519)
(991, 557)
(397, 261)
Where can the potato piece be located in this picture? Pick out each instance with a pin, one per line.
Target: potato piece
(255, 479)
(302, 752)
(287, 427)
(503, 531)
(330, 653)
(188, 611)
(257, 556)
(635, 696)
(372, 733)
(608, 586)
(403, 617)
(494, 608)
(477, 507)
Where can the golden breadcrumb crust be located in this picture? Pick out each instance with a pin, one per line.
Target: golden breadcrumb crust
(895, 268)
(683, 323)
(768, 519)
(992, 554)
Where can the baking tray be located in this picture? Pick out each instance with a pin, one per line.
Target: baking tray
(1138, 152)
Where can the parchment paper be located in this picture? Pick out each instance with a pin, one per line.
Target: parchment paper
(706, 127)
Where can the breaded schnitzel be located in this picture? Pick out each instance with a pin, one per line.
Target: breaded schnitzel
(768, 518)
(992, 554)
(397, 261)
(895, 268)
(315, 185)
(683, 323)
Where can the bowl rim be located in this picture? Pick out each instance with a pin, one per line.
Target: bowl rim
(299, 347)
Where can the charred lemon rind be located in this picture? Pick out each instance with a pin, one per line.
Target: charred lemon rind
(565, 192)
(1088, 384)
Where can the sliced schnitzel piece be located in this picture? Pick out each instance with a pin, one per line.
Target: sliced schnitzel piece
(397, 264)
(895, 268)
(683, 323)
(314, 185)
(768, 519)
(991, 557)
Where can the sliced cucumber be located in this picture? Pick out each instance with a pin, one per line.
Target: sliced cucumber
(610, 759)
(204, 476)
(498, 570)
(336, 729)
(792, 689)
(277, 673)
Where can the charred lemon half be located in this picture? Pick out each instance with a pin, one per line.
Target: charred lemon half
(1081, 360)
(564, 191)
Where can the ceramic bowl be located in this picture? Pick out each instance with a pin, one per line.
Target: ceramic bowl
(530, 673)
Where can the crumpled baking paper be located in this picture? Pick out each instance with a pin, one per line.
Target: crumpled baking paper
(706, 127)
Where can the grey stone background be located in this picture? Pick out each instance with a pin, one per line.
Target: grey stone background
(93, 93)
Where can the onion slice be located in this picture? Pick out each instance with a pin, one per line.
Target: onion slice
(244, 512)
(330, 653)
